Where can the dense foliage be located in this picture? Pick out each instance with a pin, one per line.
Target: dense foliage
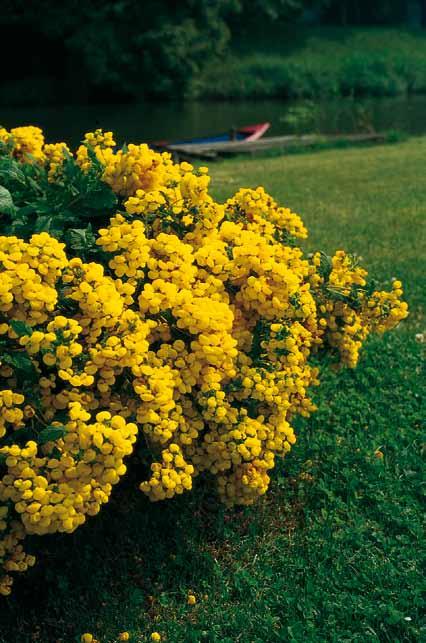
(128, 49)
(356, 12)
(170, 326)
(122, 46)
(318, 63)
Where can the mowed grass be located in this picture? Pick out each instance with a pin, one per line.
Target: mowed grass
(334, 552)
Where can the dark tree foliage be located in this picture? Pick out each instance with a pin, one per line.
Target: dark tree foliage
(130, 47)
(135, 48)
(365, 12)
(125, 46)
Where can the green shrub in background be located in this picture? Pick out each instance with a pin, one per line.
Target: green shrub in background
(319, 62)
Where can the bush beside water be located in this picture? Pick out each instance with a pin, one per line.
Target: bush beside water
(320, 62)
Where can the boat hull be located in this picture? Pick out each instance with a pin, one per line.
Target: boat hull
(241, 134)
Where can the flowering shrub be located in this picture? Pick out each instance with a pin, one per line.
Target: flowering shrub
(187, 326)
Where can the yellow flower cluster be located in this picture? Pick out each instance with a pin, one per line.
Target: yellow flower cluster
(170, 477)
(12, 555)
(195, 334)
(54, 155)
(27, 142)
(29, 273)
(384, 310)
(349, 313)
(10, 413)
(54, 492)
(139, 168)
(102, 144)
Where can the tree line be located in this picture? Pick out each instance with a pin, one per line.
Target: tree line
(129, 48)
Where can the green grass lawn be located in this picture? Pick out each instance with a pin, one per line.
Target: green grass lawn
(333, 553)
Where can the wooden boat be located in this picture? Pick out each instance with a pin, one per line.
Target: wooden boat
(248, 133)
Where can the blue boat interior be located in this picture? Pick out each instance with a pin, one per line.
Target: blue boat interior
(238, 136)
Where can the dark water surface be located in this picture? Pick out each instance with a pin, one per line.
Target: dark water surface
(158, 121)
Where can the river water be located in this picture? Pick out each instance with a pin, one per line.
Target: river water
(167, 121)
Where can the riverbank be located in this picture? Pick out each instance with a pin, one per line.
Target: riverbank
(156, 121)
(296, 62)
(276, 145)
(332, 553)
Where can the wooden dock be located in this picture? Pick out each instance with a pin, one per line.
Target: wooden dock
(212, 151)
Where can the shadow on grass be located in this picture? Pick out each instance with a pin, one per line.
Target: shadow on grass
(131, 561)
(133, 550)
(336, 505)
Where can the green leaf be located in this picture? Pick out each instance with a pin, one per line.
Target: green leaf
(22, 364)
(10, 170)
(325, 267)
(33, 184)
(102, 198)
(6, 202)
(51, 433)
(81, 238)
(43, 223)
(21, 328)
(62, 416)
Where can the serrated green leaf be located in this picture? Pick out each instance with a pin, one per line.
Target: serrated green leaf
(43, 223)
(81, 239)
(77, 237)
(11, 171)
(6, 202)
(33, 184)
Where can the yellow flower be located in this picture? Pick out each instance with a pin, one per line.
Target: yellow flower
(155, 636)
(124, 636)
(87, 638)
(191, 600)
